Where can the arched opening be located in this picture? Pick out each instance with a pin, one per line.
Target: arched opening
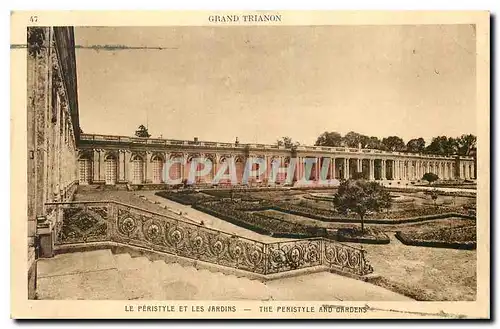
(137, 170)
(157, 168)
(175, 169)
(224, 162)
(240, 168)
(84, 171)
(110, 169)
(210, 175)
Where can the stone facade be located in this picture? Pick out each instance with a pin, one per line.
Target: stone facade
(52, 125)
(114, 160)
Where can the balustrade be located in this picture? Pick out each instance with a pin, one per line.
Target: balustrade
(111, 221)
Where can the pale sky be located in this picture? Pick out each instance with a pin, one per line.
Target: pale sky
(261, 83)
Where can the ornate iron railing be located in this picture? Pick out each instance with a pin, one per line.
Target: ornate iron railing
(91, 221)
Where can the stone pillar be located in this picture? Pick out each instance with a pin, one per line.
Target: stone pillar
(346, 168)
(126, 165)
(332, 168)
(316, 171)
(215, 167)
(372, 169)
(359, 167)
(95, 165)
(384, 169)
(121, 166)
(102, 170)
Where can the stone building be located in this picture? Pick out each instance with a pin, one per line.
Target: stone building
(52, 126)
(134, 161)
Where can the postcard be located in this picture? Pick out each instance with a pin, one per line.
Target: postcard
(250, 165)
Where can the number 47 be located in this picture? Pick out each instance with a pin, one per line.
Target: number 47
(33, 19)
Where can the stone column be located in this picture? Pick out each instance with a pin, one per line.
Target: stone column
(372, 169)
(215, 167)
(384, 169)
(95, 165)
(126, 166)
(332, 168)
(346, 168)
(102, 168)
(359, 163)
(148, 168)
(121, 165)
(316, 171)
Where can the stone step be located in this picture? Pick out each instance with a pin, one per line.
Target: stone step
(102, 275)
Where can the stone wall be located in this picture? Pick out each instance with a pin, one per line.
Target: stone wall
(52, 124)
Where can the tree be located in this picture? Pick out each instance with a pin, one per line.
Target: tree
(358, 175)
(430, 177)
(434, 196)
(394, 143)
(361, 196)
(466, 144)
(374, 143)
(142, 132)
(353, 139)
(329, 139)
(287, 142)
(442, 145)
(416, 145)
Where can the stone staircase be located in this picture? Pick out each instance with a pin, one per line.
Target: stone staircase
(102, 275)
(157, 280)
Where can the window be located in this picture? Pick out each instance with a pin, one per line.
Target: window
(138, 170)
(110, 173)
(85, 171)
(157, 167)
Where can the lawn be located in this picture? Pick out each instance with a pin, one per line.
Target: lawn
(431, 274)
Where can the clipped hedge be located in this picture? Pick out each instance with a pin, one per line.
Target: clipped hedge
(455, 238)
(186, 198)
(396, 217)
(371, 236)
(260, 223)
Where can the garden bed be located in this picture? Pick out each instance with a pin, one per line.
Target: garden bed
(237, 214)
(187, 198)
(354, 234)
(455, 238)
(394, 217)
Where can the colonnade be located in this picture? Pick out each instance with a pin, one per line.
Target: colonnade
(114, 166)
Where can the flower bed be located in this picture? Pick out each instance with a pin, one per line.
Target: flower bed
(370, 235)
(457, 238)
(260, 223)
(393, 217)
(184, 197)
